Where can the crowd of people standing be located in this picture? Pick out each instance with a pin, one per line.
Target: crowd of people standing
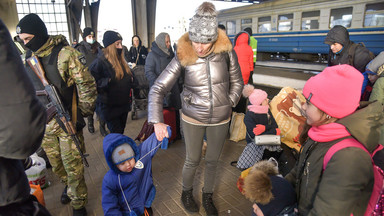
(203, 80)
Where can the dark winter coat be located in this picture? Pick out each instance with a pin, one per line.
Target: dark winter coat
(140, 52)
(252, 119)
(339, 34)
(156, 62)
(90, 51)
(212, 84)
(22, 125)
(244, 54)
(114, 96)
(346, 184)
(137, 185)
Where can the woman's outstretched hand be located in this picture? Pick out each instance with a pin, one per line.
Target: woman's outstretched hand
(161, 131)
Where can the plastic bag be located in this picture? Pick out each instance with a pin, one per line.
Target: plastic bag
(38, 193)
(37, 173)
(237, 129)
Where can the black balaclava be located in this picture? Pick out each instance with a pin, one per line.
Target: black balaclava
(32, 24)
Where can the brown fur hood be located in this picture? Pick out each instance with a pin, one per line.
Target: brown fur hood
(187, 55)
(257, 185)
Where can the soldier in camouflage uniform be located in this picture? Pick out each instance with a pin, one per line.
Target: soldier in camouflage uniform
(65, 69)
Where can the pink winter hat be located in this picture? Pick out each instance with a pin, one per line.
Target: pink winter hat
(256, 96)
(336, 90)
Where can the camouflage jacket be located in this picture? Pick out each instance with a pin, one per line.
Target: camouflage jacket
(73, 71)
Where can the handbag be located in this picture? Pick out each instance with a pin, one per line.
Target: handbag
(267, 139)
(145, 132)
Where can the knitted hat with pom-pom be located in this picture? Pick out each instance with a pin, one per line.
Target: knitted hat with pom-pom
(203, 25)
(256, 96)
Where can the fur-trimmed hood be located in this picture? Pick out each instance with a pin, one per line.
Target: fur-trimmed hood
(186, 54)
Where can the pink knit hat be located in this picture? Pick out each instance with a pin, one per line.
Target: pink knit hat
(256, 96)
(336, 90)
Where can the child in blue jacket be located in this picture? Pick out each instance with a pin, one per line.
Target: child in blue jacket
(128, 186)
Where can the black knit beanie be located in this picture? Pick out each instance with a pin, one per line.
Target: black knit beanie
(111, 37)
(88, 31)
(283, 196)
(32, 24)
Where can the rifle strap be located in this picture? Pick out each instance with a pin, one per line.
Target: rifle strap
(74, 108)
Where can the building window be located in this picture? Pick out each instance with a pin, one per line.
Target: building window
(264, 24)
(246, 23)
(285, 22)
(310, 20)
(341, 16)
(374, 15)
(231, 27)
(53, 13)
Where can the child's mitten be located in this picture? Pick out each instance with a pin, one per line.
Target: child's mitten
(278, 131)
(259, 129)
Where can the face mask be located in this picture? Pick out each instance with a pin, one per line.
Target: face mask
(119, 51)
(35, 43)
(90, 41)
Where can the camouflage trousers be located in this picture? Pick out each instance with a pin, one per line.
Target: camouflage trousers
(66, 162)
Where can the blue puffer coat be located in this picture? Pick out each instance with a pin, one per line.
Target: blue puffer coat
(137, 185)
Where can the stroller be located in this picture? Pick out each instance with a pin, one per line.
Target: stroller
(140, 94)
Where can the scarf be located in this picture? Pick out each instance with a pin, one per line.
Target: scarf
(258, 109)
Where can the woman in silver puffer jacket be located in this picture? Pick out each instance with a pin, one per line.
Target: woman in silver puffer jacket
(212, 86)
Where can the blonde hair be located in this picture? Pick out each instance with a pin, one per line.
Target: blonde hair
(118, 62)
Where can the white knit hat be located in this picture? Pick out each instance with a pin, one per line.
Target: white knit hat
(203, 25)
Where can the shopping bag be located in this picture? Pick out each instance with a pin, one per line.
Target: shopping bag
(237, 129)
(38, 193)
(37, 173)
(285, 108)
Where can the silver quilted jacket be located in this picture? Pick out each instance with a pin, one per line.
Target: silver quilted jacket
(212, 85)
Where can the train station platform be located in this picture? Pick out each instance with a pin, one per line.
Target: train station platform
(277, 74)
(167, 168)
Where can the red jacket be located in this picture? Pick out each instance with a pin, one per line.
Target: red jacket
(244, 54)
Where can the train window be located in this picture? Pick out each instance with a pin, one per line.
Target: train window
(264, 24)
(285, 22)
(231, 27)
(374, 15)
(341, 16)
(310, 20)
(246, 23)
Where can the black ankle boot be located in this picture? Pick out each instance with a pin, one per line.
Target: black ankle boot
(188, 201)
(91, 128)
(103, 131)
(64, 196)
(80, 212)
(208, 205)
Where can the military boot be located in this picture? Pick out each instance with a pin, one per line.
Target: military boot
(91, 128)
(103, 131)
(208, 205)
(188, 201)
(64, 196)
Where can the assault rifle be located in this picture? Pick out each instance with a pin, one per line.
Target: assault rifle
(54, 99)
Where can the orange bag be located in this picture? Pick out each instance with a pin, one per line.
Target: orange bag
(38, 193)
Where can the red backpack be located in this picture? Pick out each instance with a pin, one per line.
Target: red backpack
(376, 202)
